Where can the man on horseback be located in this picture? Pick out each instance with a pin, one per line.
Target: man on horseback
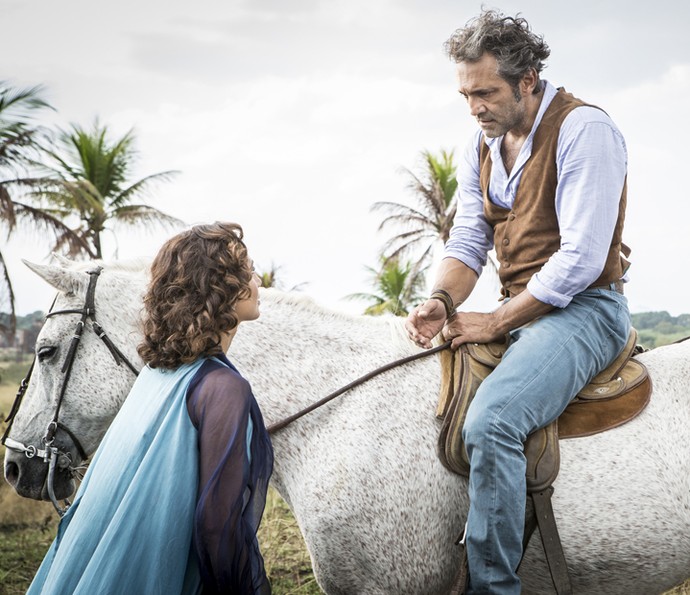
(544, 183)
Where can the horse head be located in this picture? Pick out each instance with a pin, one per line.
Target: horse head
(71, 423)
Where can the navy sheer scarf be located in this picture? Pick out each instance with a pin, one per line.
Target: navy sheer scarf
(233, 479)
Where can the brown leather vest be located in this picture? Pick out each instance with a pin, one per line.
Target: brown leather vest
(527, 235)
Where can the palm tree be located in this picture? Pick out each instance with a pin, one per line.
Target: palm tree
(89, 176)
(399, 288)
(20, 138)
(270, 278)
(429, 224)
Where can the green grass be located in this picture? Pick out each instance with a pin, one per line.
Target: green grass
(285, 555)
(22, 548)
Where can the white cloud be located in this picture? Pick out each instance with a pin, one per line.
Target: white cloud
(293, 118)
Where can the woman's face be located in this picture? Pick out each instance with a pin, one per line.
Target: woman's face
(248, 308)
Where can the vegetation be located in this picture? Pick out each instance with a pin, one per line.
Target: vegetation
(48, 181)
(429, 224)
(405, 257)
(88, 177)
(399, 288)
(660, 328)
(20, 140)
(272, 278)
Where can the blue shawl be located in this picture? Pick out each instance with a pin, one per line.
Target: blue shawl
(130, 527)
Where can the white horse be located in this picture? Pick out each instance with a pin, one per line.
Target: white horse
(378, 512)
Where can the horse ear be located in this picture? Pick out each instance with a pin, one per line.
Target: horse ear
(64, 280)
(62, 260)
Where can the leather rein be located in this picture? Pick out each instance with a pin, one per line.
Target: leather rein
(51, 454)
(361, 380)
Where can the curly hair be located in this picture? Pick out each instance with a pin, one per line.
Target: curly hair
(509, 39)
(196, 279)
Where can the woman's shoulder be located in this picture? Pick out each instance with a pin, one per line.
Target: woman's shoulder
(216, 376)
(218, 392)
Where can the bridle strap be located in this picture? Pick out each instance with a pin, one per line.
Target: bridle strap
(361, 380)
(23, 385)
(86, 312)
(89, 310)
(118, 356)
(50, 454)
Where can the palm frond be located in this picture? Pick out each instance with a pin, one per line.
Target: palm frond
(399, 287)
(141, 187)
(87, 175)
(144, 215)
(431, 220)
(19, 134)
(24, 102)
(43, 223)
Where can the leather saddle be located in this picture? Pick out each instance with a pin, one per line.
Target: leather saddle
(613, 397)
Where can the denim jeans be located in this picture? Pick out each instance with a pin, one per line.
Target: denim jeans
(547, 363)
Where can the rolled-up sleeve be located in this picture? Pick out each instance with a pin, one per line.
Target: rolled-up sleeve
(592, 164)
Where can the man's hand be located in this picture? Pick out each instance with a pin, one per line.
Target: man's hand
(477, 327)
(472, 327)
(425, 322)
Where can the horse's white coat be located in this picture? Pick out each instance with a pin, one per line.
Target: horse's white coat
(378, 512)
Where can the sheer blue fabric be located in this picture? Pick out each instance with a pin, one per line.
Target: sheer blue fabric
(232, 491)
(154, 514)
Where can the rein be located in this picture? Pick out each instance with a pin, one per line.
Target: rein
(361, 380)
(51, 454)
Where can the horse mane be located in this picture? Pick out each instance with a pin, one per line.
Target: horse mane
(133, 265)
(393, 325)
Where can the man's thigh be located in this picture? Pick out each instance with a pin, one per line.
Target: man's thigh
(550, 360)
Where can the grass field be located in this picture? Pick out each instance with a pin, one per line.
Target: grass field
(27, 528)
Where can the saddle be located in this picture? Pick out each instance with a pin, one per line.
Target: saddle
(613, 397)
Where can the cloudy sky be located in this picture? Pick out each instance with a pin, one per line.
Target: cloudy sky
(292, 117)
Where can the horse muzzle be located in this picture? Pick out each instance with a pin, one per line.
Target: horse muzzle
(27, 470)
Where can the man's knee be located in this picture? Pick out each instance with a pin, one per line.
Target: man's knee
(485, 427)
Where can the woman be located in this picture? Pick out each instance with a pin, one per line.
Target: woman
(174, 495)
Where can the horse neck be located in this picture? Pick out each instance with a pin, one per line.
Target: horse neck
(118, 310)
(298, 352)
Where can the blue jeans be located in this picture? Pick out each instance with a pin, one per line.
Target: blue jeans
(547, 363)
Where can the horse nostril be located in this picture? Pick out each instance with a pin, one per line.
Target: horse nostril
(12, 473)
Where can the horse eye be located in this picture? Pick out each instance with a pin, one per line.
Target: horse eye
(45, 353)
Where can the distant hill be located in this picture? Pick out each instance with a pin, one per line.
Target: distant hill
(660, 328)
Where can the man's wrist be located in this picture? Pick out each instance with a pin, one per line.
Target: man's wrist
(444, 297)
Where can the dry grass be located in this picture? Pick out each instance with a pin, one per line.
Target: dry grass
(285, 555)
(683, 589)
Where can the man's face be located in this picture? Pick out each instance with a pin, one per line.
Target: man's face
(491, 99)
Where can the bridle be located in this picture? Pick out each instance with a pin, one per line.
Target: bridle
(50, 453)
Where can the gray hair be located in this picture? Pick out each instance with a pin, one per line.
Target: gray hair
(508, 39)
